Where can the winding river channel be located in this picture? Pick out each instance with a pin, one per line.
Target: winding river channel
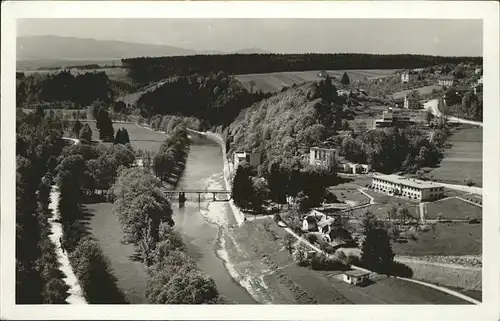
(200, 223)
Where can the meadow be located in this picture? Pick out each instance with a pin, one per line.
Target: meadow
(274, 82)
(444, 239)
(464, 159)
(453, 208)
(422, 90)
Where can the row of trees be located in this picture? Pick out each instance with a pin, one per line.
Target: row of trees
(146, 69)
(215, 99)
(467, 105)
(278, 182)
(145, 214)
(169, 123)
(170, 158)
(38, 278)
(392, 150)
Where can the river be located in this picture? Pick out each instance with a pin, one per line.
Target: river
(199, 223)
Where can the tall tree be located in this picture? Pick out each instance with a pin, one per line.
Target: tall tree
(242, 191)
(376, 250)
(345, 79)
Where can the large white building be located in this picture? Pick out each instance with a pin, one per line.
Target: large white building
(322, 156)
(411, 188)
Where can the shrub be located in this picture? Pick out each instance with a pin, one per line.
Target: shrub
(92, 270)
(277, 218)
(400, 269)
(325, 263)
(55, 292)
(311, 238)
(352, 259)
(299, 253)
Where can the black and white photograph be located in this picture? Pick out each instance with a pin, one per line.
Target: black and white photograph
(232, 162)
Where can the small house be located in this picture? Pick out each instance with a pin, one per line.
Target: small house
(478, 71)
(411, 101)
(356, 277)
(448, 81)
(251, 158)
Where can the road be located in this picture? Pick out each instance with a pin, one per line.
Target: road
(432, 106)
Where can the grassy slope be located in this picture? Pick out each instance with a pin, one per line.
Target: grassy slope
(464, 158)
(273, 82)
(256, 251)
(453, 208)
(444, 239)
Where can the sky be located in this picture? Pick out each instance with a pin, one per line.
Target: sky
(384, 36)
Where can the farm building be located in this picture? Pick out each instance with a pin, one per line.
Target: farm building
(251, 158)
(411, 101)
(356, 277)
(446, 80)
(310, 221)
(322, 156)
(411, 188)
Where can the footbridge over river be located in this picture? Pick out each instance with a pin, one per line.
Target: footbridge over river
(199, 195)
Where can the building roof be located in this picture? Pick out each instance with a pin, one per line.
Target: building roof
(356, 273)
(411, 95)
(406, 181)
(448, 77)
(323, 148)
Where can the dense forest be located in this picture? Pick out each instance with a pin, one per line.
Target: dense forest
(284, 126)
(215, 99)
(81, 89)
(38, 278)
(146, 69)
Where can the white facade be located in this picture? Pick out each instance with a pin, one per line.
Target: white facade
(322, 156)
(406, 77)
(355, 277)
(251, 158)
(414, 189)
(355, 168)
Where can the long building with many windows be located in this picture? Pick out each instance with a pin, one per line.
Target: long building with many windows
(411, 188)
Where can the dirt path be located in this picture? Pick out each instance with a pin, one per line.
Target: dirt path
(446, 265)
(75, 291)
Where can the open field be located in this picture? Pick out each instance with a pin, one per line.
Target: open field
(381, 210)
(273, 82)
(422, 90)
(262, 258)
(464, 159)
(131, 275)
(444, 239)
(140, 138)
(453, 209)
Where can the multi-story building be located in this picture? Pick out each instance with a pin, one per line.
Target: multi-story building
(390, 118)
(406, 187)
(446, 80)
(407, 77)
(322, 156)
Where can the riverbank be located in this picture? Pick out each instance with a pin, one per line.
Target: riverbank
(238, 215)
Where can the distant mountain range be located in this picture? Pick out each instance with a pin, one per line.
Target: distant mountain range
(53, 51)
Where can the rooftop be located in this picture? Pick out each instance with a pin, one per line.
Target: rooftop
(322, 148)
(447, 78)
(356, 273)
(406, 181)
